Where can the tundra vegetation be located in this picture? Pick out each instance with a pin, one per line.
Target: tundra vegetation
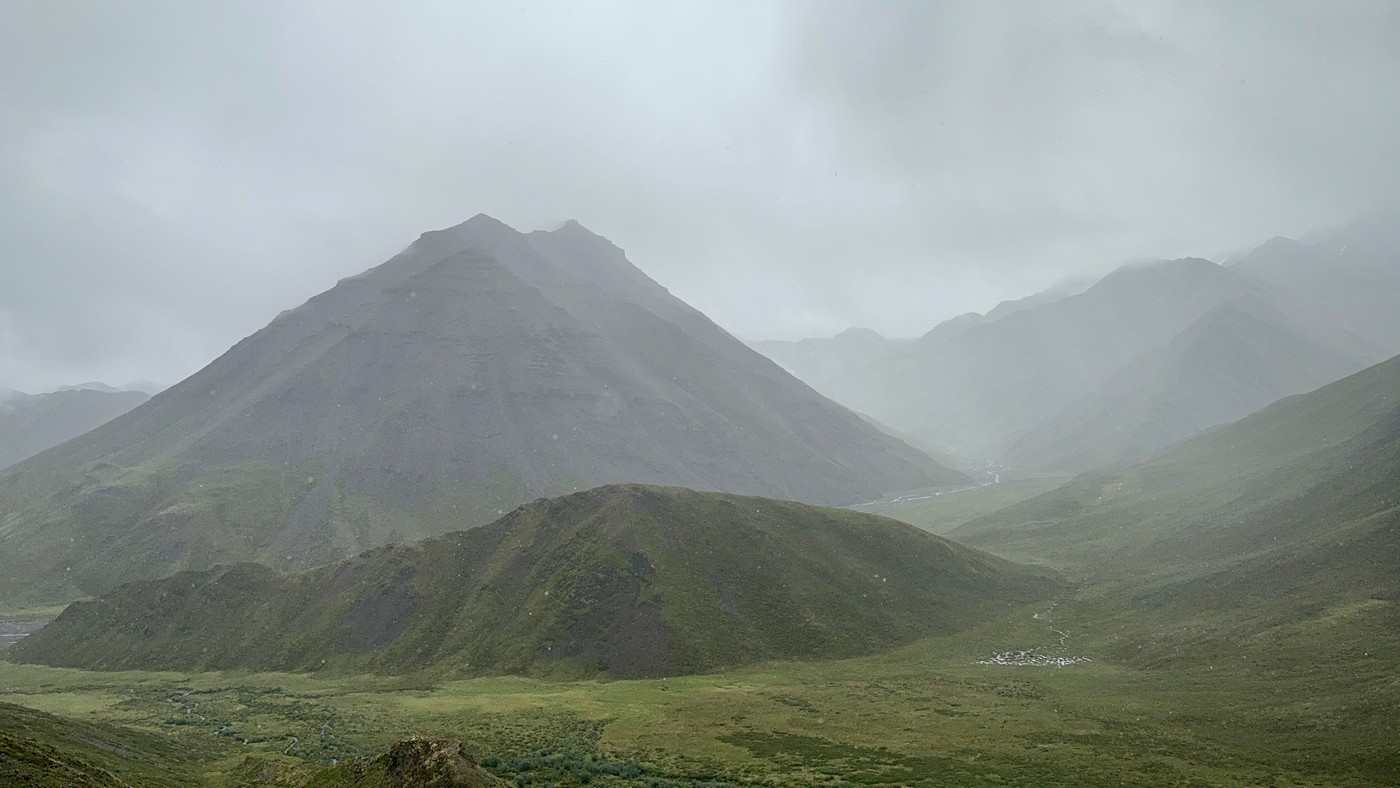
(1223, 611)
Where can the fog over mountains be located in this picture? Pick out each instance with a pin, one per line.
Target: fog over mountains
(30, 423)
(989, 393)
(480, 368)
(1152, 353)
(1263, 523)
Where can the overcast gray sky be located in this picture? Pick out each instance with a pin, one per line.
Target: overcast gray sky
(173, 174)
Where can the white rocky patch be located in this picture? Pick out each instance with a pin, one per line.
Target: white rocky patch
(1039, 657)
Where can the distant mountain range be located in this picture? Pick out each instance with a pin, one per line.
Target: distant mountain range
(1284, 523)
(1237, 358)
(829, 364)
(1351, 275)
(480, 368)
(624, 580)
(823, 363)
(1152, 353)
(31, 423)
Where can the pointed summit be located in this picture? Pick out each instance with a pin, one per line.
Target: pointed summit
(571, 226)
(478, 369)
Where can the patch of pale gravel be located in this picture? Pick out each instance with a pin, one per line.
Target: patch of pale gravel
(1051, 657)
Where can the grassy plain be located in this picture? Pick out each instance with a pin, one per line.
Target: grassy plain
(927, 714)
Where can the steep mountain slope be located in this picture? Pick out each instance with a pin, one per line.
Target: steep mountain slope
(987, 386)
(1271, 544)
(30, 424)
(821, 362)
(1239, 357)
(46, 751)
(1352, 275)
(1304, 469)
(480, 368)
(1069, 286)
(623, 580)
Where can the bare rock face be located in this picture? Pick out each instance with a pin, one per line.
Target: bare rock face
(433, 763)
(415, 762)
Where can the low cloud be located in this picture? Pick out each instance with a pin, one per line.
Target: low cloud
(172, 174)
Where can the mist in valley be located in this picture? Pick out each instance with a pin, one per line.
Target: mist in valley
(819, 393)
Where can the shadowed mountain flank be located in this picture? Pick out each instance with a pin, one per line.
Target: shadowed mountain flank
(625, 580)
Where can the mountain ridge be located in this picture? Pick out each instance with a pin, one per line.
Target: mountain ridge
(625, 580)
(1238, 357)
(477, 369)
(32, 423)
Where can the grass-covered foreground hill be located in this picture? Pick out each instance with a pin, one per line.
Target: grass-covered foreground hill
(47, 751)
(624, 580)
(42, 750)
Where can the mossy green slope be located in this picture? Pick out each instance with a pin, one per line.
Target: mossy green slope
(1238, 491)
(623, 580)
(1277, 537)
(46, 751)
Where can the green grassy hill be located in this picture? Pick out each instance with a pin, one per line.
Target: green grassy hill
(1187, 503)
(47, 751)
(623, 580)
(1276, 537)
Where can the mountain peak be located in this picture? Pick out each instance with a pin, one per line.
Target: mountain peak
(1278, 242)
(485, 220)
(92, 385)
(573, 233)
(1152, 271)
(478, 368)
(860, 332)
(434, 245)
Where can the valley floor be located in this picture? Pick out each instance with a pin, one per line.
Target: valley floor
(928, 714)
